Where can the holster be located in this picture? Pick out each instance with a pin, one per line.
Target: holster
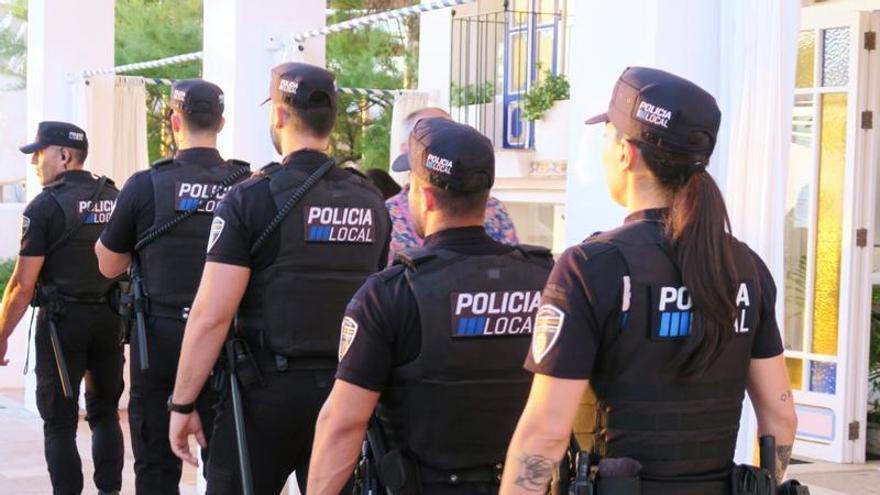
(399, 473)
(751, 480)
(241, 363)
(48, 298)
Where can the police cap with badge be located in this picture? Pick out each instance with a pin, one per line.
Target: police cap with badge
(192, 96)
(51, 133)
(451, 156)
(666, 111)
(303, 86)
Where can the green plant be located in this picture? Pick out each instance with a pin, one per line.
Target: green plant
(541, 96)
(874, 357)
(471, 94)
(6, 267)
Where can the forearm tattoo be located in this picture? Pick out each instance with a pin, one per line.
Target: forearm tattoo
(535, 472)
(783, 456)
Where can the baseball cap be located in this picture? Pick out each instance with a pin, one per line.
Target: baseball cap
(456, 156)
(301, 85)
(197, 96)
(400, 164)
(58, 134)
(664, 110)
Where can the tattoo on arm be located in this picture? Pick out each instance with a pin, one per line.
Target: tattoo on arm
(783, 456)
(535, 472)
(786, 396)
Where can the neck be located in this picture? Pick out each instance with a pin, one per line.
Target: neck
(645, 193)
(293, 141)
(186, 141)
(436, 222)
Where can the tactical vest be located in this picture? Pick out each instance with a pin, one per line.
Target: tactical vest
(331, 241)
(172, 264)
(72, 267)
(456, 405)
(678, 429)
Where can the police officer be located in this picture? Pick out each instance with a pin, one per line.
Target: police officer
(170, 262)
(288, 249)
(440, 336)
(77, 330)
(669, 317)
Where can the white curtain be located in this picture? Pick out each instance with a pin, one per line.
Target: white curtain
(113, 111)
(758, 49)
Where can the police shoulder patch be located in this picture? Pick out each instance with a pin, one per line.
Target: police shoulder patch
(217, 226)
(548, 325)
(347, 333)
(25, 224)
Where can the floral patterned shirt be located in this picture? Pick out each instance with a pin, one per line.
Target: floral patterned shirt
(498, 224)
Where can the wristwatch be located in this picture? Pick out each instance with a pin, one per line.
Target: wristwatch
(180, 408)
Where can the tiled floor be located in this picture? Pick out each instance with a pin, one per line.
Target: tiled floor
(23, 468)
(23, 471)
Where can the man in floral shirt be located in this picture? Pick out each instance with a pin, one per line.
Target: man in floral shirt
(498, 223)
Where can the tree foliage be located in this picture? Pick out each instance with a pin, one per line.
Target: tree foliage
(13, 43)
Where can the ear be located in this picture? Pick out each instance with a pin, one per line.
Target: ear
(279, 117)
(430, 197)
(176, 124)
(222, 123)
(628, 155)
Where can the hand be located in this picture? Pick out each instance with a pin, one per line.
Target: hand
(180, 427)
(4, 345)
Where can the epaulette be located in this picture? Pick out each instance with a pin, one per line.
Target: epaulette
(594, 247)
(593, 235)
(238, 163)
(391, 272)
(357, 172)
(413, 257)
(533, 250)
(161, 163)
(268, 169)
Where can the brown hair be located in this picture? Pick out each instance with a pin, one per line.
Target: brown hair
(698, 229)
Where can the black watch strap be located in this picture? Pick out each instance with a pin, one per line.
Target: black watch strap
(180, 408)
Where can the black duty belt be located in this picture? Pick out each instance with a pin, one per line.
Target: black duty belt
(705, 420)
(482, 474)
(169, 311)
(270, 361)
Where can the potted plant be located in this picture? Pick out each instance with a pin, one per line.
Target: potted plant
(546, 104)
(873, 436)
(473, 104)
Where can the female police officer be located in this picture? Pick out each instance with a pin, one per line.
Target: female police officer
(669, 317)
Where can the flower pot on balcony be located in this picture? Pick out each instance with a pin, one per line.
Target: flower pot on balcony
(551, 133)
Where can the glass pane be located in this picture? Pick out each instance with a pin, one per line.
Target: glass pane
(546, 10)
(806, 60)
(795, 372)
(823, 377)
(516, 128)
(520, 16)
(835, 57)
(545, 52)
(798, 199)
(832, 164)
(517, 60)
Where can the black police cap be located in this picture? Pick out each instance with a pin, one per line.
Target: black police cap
(197, 96)
(303, 86)
(57, 134)
(454, 156)
(665, 110)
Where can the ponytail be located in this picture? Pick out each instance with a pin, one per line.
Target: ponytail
(698, 229)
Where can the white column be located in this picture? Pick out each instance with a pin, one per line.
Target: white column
(679, 36)
(59, 49)
(241, 45)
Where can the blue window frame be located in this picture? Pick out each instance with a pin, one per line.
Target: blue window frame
(530, 39)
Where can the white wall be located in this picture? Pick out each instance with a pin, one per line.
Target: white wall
(241, 45)
(680, 37)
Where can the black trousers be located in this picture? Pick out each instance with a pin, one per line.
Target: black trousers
(157, 470)
(92, 349)
(280, 421)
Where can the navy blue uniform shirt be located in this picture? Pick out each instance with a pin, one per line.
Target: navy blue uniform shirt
(387, 317)
(135, 209)
(589, 292)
